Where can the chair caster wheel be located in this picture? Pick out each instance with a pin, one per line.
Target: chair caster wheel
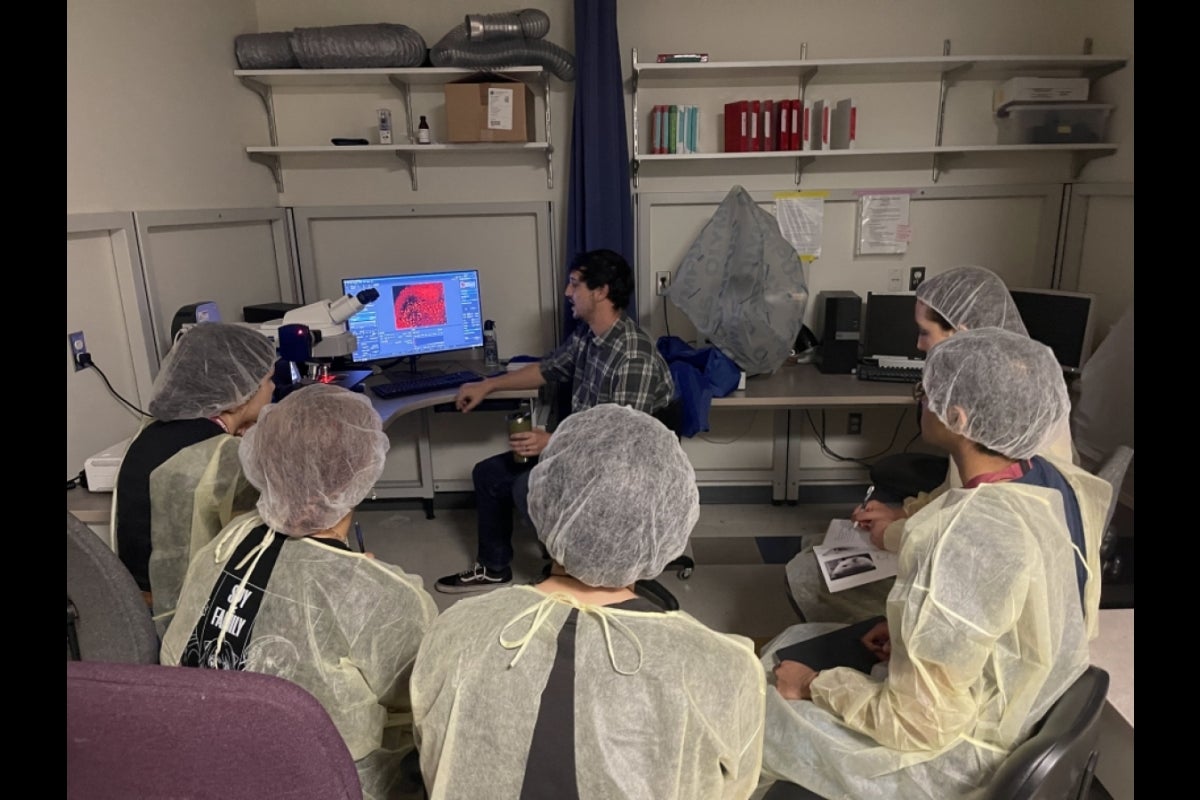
(684, 573)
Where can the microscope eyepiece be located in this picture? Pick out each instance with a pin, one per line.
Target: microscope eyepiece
(368, 296)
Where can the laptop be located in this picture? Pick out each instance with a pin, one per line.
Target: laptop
(889, 350)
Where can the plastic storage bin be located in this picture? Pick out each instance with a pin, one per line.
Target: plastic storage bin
(1053, 123)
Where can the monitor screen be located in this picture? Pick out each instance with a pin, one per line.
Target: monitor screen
(417, 314)
(891, 328)
(1060, 320)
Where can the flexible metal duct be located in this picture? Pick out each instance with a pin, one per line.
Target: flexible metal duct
(336, 47)
(265, 51)
(358, 47)
(494, 41)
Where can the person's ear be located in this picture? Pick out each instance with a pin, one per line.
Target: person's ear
(956, 419)
(601, 292)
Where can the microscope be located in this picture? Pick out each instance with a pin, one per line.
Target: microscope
(308, 338)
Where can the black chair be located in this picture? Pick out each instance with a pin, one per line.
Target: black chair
(902, 475)
(107, 619)
(1056, 762)
(672, 416)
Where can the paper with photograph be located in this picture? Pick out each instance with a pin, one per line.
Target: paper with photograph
(847, 558)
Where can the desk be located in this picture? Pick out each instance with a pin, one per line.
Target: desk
(796, 387)
(395, 408)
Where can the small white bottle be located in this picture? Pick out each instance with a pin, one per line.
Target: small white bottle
(491, 350)
(385, 126)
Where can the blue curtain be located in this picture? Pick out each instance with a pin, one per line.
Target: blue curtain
(599, 203)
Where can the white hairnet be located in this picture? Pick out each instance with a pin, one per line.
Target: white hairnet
(213, 367)
(313, 456)
(972, 297)
(613, 496)
(1009, 388)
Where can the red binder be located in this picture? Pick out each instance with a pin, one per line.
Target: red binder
(783, 118)
(795, 131)
(736, 126)
(768, 125)
(754, 138)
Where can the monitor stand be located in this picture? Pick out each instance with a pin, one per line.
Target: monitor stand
(400, 372)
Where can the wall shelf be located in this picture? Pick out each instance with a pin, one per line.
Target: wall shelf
(945, 70)
(263, 82)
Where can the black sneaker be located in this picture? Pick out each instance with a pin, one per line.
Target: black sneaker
(476, 579)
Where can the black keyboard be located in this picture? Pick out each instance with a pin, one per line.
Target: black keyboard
(424, 383)
(875, 372)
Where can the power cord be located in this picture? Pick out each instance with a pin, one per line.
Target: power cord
(85, 360)
(666, 316)
(78, 480)
(836, 457)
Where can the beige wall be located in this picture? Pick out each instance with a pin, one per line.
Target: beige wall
(155, 118)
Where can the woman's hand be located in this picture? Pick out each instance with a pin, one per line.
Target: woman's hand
(879, 641)
(875, 517)
(793, 679)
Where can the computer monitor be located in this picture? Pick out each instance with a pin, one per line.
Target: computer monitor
(1061, 320)
(891, 328)
(416, 314)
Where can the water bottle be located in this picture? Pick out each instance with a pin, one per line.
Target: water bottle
(491, 351)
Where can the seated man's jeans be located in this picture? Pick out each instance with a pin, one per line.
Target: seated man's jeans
(501, 485)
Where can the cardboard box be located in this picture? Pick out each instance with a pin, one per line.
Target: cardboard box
(1040, 90)
(489, 108)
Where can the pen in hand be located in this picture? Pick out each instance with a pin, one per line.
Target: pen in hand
(863, 505)
(358, 535)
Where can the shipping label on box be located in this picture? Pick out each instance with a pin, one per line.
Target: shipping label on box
(500, 109)
(489, 108)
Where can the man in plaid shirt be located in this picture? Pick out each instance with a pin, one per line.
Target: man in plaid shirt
(609, 359)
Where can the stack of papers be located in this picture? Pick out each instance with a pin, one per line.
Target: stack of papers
(847, 558)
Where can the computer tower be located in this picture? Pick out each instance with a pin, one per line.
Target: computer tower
(839, 321)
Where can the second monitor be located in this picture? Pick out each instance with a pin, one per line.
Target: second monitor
(417, 314)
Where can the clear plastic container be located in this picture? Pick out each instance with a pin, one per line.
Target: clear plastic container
(1052, 123)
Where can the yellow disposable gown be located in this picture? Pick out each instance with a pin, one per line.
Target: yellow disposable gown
(664, 707)
(987, 632)
(343, 626)
(818, 604)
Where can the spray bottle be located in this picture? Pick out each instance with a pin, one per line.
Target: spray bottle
(491, 351)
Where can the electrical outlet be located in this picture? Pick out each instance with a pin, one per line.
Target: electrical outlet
(78, 348)
(895, 279)
(663, 282)
(915, 276)
(853, 424)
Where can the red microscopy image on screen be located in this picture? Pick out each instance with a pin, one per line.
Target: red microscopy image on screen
(419, 305)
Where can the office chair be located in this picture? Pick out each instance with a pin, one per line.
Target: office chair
(1113, 470)
(672, 416)
(141, 730)
(107, 619)
(1056, 762)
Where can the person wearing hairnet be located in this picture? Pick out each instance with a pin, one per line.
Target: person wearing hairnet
(280, 592)
(607, 359)
(179, 482)
(575, 687)
(960, 299)
(988, 622)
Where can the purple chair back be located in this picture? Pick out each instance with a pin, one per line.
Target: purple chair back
(149, 731)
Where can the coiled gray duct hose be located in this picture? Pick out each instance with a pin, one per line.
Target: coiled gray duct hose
(493, 41)
(335, 47)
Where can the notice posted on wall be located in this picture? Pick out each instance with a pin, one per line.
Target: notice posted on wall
(883, 225)
(801, 216)
(500, 110)
(848, 559)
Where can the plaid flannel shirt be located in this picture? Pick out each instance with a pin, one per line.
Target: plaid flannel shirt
(622, 367)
